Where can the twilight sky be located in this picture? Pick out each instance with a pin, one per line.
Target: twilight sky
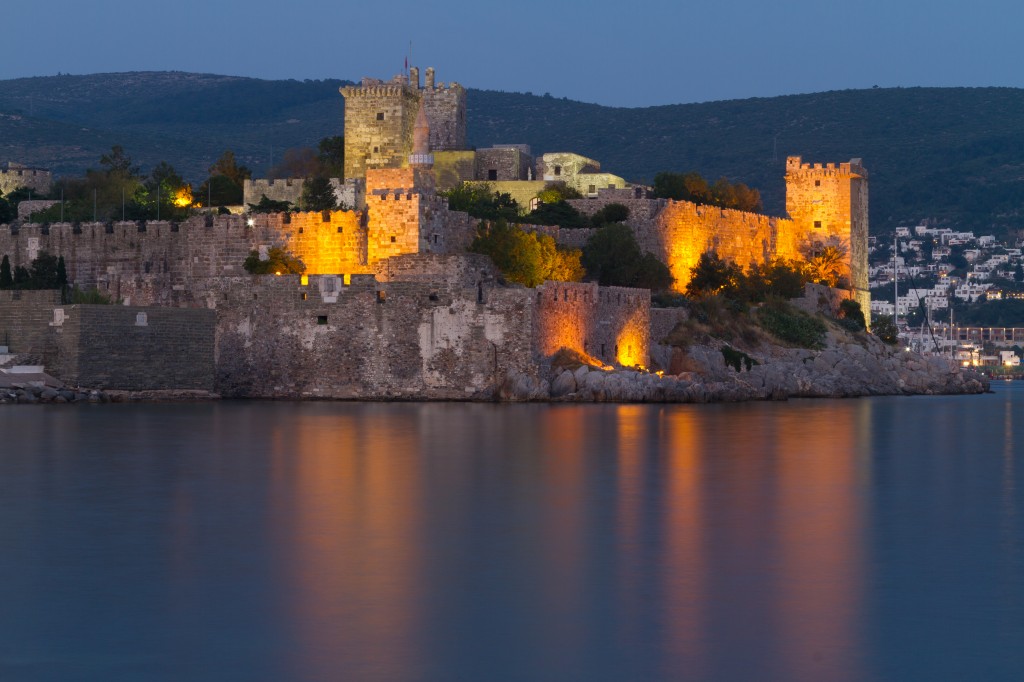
(616, 53)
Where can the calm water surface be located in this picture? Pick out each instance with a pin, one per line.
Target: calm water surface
(875, 539)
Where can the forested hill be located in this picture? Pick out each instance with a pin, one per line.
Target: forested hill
(952, 154)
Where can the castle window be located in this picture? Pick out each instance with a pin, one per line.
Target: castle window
(492, 174)
(558, 170)
(380, 117)
(321, 319)
(593, 189)
(376, 150)
(392, 239)
(304, 297)
(382, 296)
(141, 320)
(817, 223)
(340, 230)
(817, 183)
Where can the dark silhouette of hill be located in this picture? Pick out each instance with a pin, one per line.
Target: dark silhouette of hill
(950, 154)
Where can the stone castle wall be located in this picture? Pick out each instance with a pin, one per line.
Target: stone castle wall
(368, 339)
(611, 324)
(135, 348)
(25, 317)
(15, 177)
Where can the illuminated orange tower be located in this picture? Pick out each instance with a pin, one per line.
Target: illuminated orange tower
(828, 203)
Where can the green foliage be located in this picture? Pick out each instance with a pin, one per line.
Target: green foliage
(297, 162)
(279, 262)
(88, 296)
(527, 258)
(737, 359)
(6, 278)
(8, 211)
(220, 190)
(791, 325)
(44, 272)
(613, 257)
(556, 192)
(884, 327)
(318, 194)
(999, 313)
(559, 213)
(851, 317)
(712, 275)
(332, 156)
(266, 205)
(612, 213)
(692, 187)
(481, 201)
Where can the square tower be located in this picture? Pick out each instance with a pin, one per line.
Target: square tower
(399, 203)
(828, 203)
(379, 119)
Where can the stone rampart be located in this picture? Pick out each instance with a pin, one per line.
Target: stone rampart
(368, 339)
(611, 324)
(25, 317)
(135, 348)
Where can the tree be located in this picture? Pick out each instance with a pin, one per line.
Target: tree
(8, 211)
(481, 201)
(555, 192)
(1018, 274)
(712, 275)
(229, 168)
(884, 327)
(279, 262)
(332, 156)
(692, 187)
(297, 162)
(6, 279)
(318, 194)
(62, 275)
(613, 257)
(44, 272)
(527, 258)
(612, 213)
(266, 205)
(851, 316)
(558, 213)
(224, 186)
(118, 163)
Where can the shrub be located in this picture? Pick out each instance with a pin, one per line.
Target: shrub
(92, 296)
(791, 325)
(279, 262)
(851, 317)
(737, 359)
(884, 327)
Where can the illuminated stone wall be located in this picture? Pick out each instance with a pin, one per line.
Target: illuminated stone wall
(282, 189)
(15, 176)
(611, 324)
(452, 168)
(830, 202)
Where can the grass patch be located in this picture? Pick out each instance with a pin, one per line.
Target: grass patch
(791, 325)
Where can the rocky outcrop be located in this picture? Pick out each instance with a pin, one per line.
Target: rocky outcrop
(851, 365)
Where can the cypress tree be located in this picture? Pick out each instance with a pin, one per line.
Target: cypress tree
(6, 280)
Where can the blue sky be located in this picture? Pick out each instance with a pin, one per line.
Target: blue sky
(614, 53)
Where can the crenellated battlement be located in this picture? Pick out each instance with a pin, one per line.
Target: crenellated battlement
(795, 165)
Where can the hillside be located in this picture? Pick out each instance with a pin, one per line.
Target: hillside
(951, 154)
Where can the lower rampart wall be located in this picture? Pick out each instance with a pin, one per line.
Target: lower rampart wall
(611, 324)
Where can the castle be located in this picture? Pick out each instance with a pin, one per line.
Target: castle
(391, 305)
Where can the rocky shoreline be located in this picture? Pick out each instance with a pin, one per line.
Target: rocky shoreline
(849, 366)
(33, 395)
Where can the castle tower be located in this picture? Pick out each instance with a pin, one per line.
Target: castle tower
(829, 203)
(380, 120)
